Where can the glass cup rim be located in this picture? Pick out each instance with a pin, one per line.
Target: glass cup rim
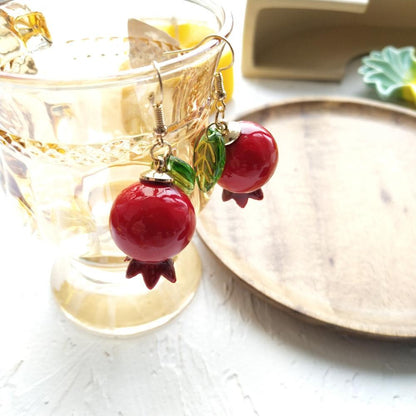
(144, 73)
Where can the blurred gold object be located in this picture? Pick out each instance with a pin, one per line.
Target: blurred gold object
(315, 39)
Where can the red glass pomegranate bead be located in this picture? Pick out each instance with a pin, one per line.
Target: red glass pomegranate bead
(152, 222)
(250, 162)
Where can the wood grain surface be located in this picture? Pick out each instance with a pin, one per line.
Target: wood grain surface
(334, 239)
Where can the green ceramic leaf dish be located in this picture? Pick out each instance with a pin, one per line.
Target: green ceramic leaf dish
(392, 72)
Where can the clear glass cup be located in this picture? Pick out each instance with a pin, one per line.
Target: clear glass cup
(78, 131)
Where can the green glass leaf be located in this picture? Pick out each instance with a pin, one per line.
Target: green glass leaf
(209, 159)
(182, 173)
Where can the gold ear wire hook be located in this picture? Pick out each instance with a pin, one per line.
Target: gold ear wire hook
(218, 37)
(161, 150)
(160, 125)
(159, 78)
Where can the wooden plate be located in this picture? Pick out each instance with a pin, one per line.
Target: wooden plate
(335, 237)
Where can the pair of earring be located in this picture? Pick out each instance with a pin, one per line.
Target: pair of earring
(153, 220)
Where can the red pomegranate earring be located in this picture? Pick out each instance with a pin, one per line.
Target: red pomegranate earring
(240, 156)
(153, 220)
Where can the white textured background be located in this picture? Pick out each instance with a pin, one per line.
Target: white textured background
(228, 353)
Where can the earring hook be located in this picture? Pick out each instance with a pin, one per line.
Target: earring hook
(213, 36)
(160, 130)
(160, 125)
(159, 78)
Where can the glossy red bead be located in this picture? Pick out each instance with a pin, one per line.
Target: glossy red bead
(251, 160)
(152, 222)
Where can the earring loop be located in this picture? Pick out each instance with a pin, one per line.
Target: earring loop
(159, 78)
(213, 36)
(160, 125)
